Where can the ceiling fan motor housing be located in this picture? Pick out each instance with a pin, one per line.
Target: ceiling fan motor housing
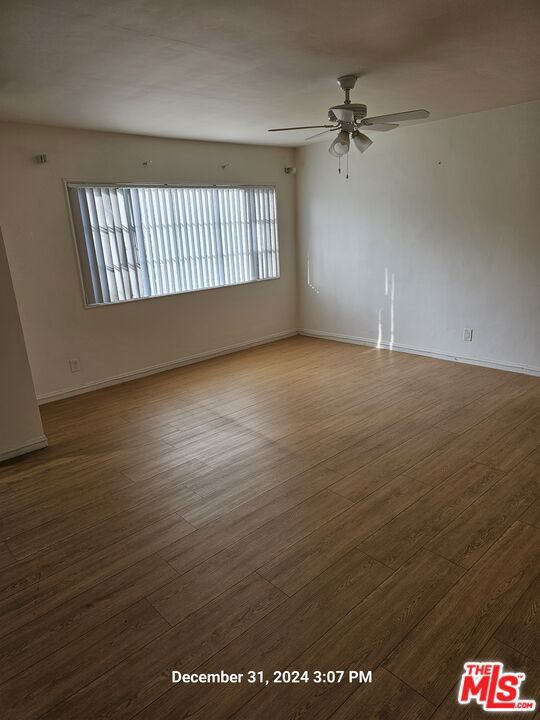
(358, 110)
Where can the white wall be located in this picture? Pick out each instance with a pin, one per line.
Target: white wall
(20, 422)
(115, 340)
(439, 227)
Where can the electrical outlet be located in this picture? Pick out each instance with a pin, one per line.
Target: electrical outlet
(75, 365)
(467, 334)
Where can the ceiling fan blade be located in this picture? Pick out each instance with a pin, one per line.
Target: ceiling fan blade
(380, 127)
(301, 127)
(399, 117)
(321, 133)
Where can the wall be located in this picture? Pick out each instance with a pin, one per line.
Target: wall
(20, 423)
(436, 230)
(118, 340)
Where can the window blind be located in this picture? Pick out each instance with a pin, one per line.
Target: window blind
(147, 241)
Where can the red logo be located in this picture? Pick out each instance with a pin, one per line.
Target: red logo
(489, 685)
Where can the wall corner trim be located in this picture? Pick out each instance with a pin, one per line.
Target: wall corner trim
(370, 342)
(35, 444)
(162, 367)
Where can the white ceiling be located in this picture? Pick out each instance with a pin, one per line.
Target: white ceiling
(230, 69)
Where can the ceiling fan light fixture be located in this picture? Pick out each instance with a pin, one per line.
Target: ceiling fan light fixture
(361, 141)
(341, 144)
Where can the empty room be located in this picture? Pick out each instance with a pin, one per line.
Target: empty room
(269, 360)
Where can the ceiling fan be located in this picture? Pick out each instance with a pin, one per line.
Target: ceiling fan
(350, 119)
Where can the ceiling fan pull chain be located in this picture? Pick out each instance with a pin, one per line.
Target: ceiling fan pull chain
(339, 165)
(347, 175)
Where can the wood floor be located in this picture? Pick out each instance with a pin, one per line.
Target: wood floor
(302, 505)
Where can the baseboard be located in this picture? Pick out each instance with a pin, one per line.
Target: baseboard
(35, 444)
(510, 367)
(162, 367)
(189, 360)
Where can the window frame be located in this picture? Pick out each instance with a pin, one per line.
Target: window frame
(103, 183)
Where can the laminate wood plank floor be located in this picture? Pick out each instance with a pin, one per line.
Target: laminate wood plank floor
(305, 505)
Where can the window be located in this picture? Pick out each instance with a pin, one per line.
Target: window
(145, 241)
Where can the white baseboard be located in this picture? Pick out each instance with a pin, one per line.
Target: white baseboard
(511, 367)
(35, 444)
(188, 360)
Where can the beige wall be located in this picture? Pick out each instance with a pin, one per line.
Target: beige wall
(437, 230)
(117, 340)
(20, 423)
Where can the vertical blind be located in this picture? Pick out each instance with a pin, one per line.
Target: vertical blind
(139, 242)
